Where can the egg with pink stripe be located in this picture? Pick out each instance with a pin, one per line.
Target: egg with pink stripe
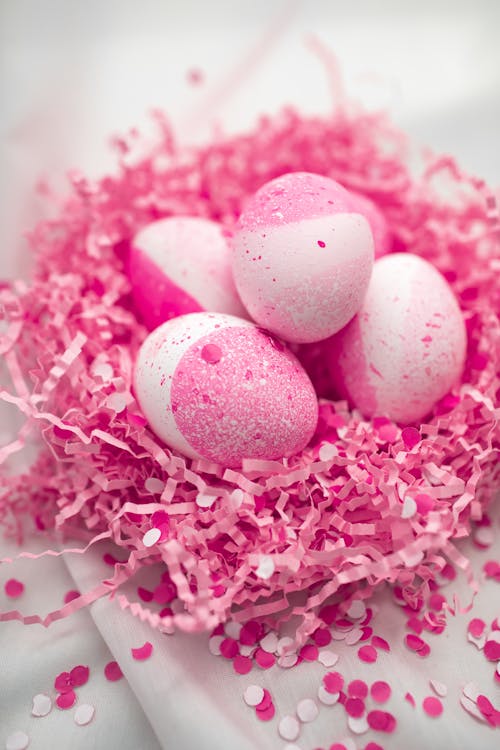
(303, 256)
(180, 265)
(217, 387)
(405, 348)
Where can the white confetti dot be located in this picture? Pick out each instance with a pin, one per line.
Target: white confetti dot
(439, 688)
(328, 699)
(494, 636)
(357, 610)
(266, 567)
(151, 537)
(284, 645)
(484, 536)
(289, 728)
(253, 695)
(327, 658)
(17, 741)
(214, 644)
(338, 635)
(353, 636)
(327, 452)
(409, 507)
(233, 629)
(205, 501)
(42, 705)
(246, 650)
(357, 725)
(478, 642)
(307, 710)
(287, 661)
(84, 714)
(270, 643)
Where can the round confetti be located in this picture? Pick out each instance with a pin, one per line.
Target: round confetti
(62, 683)
(79, 676)
(289, 728)
(265, 714)
(357, 689)
(84, 714)
(380, 691)
(42, 705)
(112, 671)
(333, 682)
(66, 700)
(373, 746)
(253, 695)
(14, 588)
(357, 724)
(492, 650)
(327, 658)
(309, 652)
(242, 664)
(214, 644)
(269, 643)
(432, 706)
(328, 699)
(381, 721)
(367, 654)
(229, 648)
(17, 741)
(354, 707)
(266, 701)
(307, 710)
(151, 537)
(357, 610)
(143, 652)
(263, 659)
(287, 661)
(380, 643)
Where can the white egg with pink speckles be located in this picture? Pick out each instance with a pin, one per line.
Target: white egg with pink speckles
(405, 348)
(180, 265)
(217, 387)
(303, 256)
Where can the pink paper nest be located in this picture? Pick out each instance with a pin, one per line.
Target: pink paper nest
(281, 538)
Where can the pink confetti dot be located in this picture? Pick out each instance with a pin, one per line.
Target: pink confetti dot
(242, 664)
(66, 700)
(410, 699)
(373, 746)
(333, 682)
(112, 671)
(337, 746)
(266, 701)
(492, 650)
(367, 654)
(309, 652)
(62, 683)
(354, 707)
(380, 691)
(14, 588)
(357, 689)
(380, 643)
(321, 243)
(264, 659)
(381, 721)
(79, 676)
(411, 437)
(417, 644)
(145, 594)
(322, 637)
(69, 596)
(432, 706)
(265, 714)
(211, 353)
(229, 648)
(250, 633)
(476, 627)
(143, 652)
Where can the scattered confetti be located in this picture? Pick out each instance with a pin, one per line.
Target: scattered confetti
(253, 695)
(14, 588)
(380, 691)
(327, 698)
(62, 683)
(357, 689)
(354, 707)
(151, 537)
(17, 741)
(328, 658)
(289, 728)
(242, 664)
(112, 671)
(79, 676)
(358, 725)
(307, 710)
(66, 700)
(432, 706)
(84, 714)
(357, 610)
(367, 654)
(143, 652)
(42, 705)
(333, 682)
(381, 721)
(264, 659)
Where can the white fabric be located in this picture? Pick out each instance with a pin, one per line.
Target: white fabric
(72, 73)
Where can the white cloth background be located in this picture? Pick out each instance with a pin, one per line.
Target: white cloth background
(72, 73)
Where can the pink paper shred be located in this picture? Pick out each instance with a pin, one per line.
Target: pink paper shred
(69, 338)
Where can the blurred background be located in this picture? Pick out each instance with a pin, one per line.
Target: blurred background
(74, 72)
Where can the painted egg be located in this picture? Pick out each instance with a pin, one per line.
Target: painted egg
(218, 387)
(382, 240)
(406, 347)
(302, 257)
(181, 265)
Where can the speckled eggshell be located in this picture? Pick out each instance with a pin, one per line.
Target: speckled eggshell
(406, 347)
(218, 387)
(180, 265)
(382, 239)
(303, 257)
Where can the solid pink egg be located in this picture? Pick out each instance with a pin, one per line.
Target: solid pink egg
(179, 265)
(218, 387)
(303, 256)
(405, 348)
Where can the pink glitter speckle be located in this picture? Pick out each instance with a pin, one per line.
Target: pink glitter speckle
(367, 654)
(66, 700)
(112, 671)
(143, 652)
(380, 691)
(211, 353)
(321, 243)
(432, 706)
(14, 588)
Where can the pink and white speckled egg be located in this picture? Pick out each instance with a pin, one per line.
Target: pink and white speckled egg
(218, 387)
(302, 256)
(382, 239)
(406, 347)
(180, 265)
